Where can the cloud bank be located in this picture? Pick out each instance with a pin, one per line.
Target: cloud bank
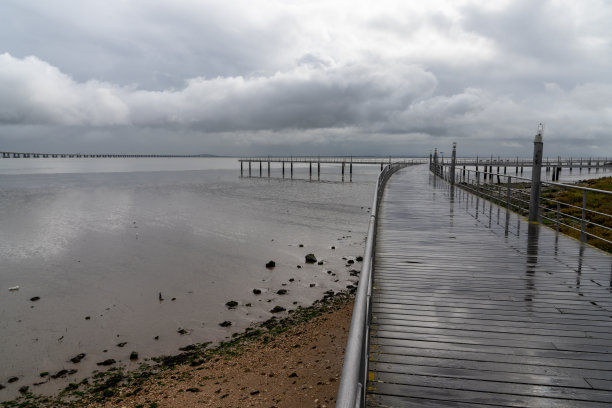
(251, 78)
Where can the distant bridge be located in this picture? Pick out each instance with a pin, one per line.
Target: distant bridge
(28, 155)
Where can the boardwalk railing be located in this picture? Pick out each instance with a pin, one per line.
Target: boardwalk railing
(351, 392)
(567, 208)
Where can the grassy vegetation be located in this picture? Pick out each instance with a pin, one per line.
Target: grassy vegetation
(103, 386)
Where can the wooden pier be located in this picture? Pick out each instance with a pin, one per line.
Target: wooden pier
(473, 306)
(290, 161)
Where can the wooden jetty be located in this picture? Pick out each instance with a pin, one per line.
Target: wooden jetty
(473, 306)
(344, 162)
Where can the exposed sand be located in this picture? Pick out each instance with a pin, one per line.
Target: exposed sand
(298, 368)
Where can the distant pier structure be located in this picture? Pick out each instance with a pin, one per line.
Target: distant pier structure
(32, 155)
(289, 162)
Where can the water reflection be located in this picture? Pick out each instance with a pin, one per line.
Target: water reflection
(533, 234)
(579, 269)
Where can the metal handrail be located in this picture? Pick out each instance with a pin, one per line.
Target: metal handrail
(351, 391)
(514, 201)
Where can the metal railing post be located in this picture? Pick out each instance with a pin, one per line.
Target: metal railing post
(536, 170)
(583, 235)
(508, 193)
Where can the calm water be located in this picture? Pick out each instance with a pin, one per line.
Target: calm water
(98, 239)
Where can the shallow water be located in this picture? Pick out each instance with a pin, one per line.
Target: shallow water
(99, 239)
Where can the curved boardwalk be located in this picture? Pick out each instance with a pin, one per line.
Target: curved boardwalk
(472, 307)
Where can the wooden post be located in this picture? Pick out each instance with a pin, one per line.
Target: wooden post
(268, 167)
(260, 168)
(310, 169)
(536, 170)
(508, 193)
(249, 168)
(453, 162)
(241, 168)
(283, 169)
(292, 168)
(319, 169)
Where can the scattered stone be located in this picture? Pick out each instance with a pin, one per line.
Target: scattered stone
(133, 355)
(310, 258)
(333, 247)
(60, 374)
(299, 266)
(254, 392)
(77, 358)
(301, 245)
(226, 323)
(248, 305)
(320, 263)
(13, 379)
(35, 299)
(44, 374)
(24, 389)
(350, 262)
(293, 375)
(257, 291)
(2, 387)
(291, 280)
(281, 292)
(122, 344)
(312, 285)
(160, 297)
(156, 338)
(106, 362)
(270, 264)
(173, 299)
(193, 389)
(354, 272)
(87, 317)
(182, 331)
(13, 288)
(231, 304)
(359, 259)
(329, 272)
(277, 309)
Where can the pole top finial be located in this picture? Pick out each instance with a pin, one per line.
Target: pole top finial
(538, 136)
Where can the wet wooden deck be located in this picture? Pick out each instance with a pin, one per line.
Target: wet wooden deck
(473, 308)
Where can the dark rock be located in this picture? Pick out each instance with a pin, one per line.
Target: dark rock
(231, 304)
(182, 331)
(301, 245)
(299, 266)
(24, 389)
(293, 375)
(122, 344)
(193, 389)
(320, 263)
(270, 264)
(35, 298)
(257, 291)
(87, 317)
(160, 297)
(310, 258)
(277, 309)
(226, 323)
(44, 374)
(173, 299)
(156, 337)
(291, 280)
(13, 379)
(77, 358)
(254, 392)
(329, 272)
(133, 355)
(333, 247)
(2, 387)
(281, 292)
(350, 262)
(248, 305)
(60, 374)
(312, 285)
(106, 362)
(359, 259)
(354, 272)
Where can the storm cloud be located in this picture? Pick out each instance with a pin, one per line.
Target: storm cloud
(305, 78)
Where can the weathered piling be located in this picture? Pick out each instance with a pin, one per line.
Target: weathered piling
(534, 200)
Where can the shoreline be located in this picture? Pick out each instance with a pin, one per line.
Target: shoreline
(291, 361)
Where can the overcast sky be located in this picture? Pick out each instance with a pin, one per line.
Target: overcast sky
(306, 77)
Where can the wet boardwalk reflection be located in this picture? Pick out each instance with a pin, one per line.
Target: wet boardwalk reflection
(473, 306)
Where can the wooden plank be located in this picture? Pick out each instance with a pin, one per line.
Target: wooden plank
(468, 308)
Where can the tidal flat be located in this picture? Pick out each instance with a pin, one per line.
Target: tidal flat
(127, 256)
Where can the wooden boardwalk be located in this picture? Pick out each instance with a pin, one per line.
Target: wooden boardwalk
(473, 307)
